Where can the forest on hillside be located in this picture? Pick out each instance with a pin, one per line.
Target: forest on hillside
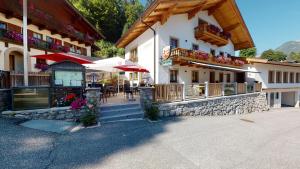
(112, 18)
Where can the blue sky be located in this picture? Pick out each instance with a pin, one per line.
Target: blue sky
(271, 22)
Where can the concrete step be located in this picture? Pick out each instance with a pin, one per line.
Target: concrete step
(123, 117)
(119, 111)
(122, 106)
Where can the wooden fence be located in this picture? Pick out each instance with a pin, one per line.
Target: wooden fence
(215, 89)
(168, 92)
(241, 88)
(34, 79)
(4, 80)
(179, 92)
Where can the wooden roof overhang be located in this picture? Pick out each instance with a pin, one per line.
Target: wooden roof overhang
(58, 16)
(225, 12)
(265, 61)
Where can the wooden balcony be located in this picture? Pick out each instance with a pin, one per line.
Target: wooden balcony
(184, 56)
(205, 33)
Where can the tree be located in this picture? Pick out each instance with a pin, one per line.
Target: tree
(272, 55)
(108, 16)
(112, 18)
(108, 50)
(133, 10)
(248, 53)
(295, 56)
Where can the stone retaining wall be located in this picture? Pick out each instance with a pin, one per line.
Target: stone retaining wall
(230, 105)
(61, 113)
(5, 99)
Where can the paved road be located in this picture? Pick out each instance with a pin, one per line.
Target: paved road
(269, 140)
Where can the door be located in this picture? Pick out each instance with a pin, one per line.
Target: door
(240, 77)
(272, 99)
(212, 77)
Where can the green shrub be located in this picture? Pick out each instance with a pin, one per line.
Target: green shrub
(89, 120)
(152, 113)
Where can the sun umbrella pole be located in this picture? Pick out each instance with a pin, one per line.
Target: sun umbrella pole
(118, 82)
(25, 43)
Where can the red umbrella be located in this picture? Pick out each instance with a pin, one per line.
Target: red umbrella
(131, 68)
(59, 57)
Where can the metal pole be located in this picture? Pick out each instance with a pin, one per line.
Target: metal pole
(118, 82)
(25, 44)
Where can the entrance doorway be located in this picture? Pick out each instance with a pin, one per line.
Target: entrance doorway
(288, 99)
(16, 62)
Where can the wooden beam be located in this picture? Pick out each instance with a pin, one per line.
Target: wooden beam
(41, 27)
(231, 27)
(214, 8)
(195, 10)
(166, 15)
(9, 15)
(241, 45)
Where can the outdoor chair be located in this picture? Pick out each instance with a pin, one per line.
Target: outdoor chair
(104, 94)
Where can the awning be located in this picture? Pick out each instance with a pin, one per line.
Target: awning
(106, 65)
(224, 67)
(131, 68)
(59, 57)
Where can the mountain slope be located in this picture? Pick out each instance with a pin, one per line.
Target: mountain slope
(288, 47)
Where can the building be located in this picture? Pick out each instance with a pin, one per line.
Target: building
(280, 80)
(52, 27)
(191, 43)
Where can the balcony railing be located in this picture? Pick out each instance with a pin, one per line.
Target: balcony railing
(197, 55)
(17, 38)
(211, 34)
(180, 92)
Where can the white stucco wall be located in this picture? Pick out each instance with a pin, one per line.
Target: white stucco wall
(177, 26)
(264, 72)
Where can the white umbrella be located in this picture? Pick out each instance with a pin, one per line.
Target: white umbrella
(107, 65)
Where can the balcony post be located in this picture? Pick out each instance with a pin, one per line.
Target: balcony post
(223, 89)
(236, 88)
(183, 91)
(206, 90)
(25, 43)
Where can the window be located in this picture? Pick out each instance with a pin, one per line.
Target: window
(49, 39)
(221, 53)
(277, 95)
(3, 25)
(221, 77)
(228, 78)
(271, 77)
(278, 77)
(37, 36)
(133, 55)
(292, 77)
(212, 77)
(285, 77)
(297, 77)
(195, 47)
(136, 76)
(213, 52)
(78, 50)
(130, 76)
(195, 77)
(174, 43)
(41, 61)
(72, 48)
(173, 76)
